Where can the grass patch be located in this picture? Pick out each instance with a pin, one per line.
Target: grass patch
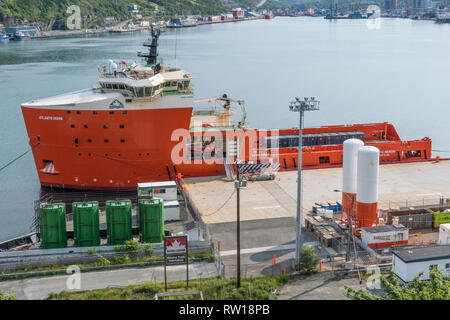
(252, 288)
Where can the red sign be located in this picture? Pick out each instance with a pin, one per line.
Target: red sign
(175, 250)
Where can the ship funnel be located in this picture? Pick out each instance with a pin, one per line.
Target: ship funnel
(349, 170)
(367, 186)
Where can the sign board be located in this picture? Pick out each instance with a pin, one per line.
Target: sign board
(176, 253)
(175, 249)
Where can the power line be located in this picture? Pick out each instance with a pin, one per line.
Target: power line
(14, 160)
(223, 205)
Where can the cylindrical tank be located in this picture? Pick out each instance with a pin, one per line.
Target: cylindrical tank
(86, 226)
(367, 186)
(151, 220)
(52, 218)
(349, 169)
(118, 221)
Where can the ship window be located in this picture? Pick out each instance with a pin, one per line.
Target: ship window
(72, 126)
(324, 159)
(148, 91)
(115, 86)
(38, 138)
(139, 92)
(121, 86)
(85, 126)
(68, 111)
(108, 86)
(140, 154)
(185, 85)
(174, 83)
(106, 140)
(111, 112)
(89, 140)
(167, 84)
(124, 112)
(78, 112)
(75, 140)
(105, 126)
(122, 126)
(122, 140)
(95, 112)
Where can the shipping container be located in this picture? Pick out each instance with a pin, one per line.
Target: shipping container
(440, 218)
(118, 221)
(151, 220)
(52, 218)
(166, 190)
(416, 221)
(86, 225)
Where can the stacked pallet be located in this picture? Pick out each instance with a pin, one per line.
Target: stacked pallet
(321, 230)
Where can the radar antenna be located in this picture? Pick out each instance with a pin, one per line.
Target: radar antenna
(152, 56)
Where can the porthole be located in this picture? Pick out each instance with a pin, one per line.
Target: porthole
(111, 112)
(72, 126)
(124, 112)
(89, 140)
(106, 140)
(105, 126)
(122, 140)
(122, 126)
(68, 111)
(95, 112)
(78, 112)
(85, 126)
(75, 140)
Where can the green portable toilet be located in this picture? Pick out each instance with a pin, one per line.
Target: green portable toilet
(52, 219)
(118, 221)
(86, 225)
(151, 220)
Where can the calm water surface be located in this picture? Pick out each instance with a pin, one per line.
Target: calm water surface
(397, 73)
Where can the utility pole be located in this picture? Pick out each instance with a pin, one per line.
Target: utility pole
(350, 232)
(238, 225)
(307, 104)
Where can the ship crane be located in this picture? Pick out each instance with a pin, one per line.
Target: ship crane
(226, 105)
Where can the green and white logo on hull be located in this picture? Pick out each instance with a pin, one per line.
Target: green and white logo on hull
(116, 104)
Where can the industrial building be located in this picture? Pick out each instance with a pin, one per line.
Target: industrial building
(408, 263)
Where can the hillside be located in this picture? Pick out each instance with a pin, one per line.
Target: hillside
(51, 14)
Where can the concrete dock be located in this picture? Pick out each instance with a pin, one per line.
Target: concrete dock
(400, 185)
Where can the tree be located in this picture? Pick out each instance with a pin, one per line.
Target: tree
(4, 296)
(437, 288)
(308, 261)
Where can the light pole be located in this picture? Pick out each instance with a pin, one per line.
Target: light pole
(238, 184)
(307, 104)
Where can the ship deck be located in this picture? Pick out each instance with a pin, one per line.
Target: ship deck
(400, 185)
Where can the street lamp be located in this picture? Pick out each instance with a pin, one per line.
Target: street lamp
(239, 183)
(307, 104)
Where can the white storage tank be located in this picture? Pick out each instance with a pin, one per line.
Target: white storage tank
(349, 170)
(367, 186)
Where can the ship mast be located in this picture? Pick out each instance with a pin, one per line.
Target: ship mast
(151, 57)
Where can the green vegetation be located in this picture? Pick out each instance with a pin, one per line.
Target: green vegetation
(4, 296)
(437, 288)
(51, 14)
(260, 288)
(309, 261)
(141, 257)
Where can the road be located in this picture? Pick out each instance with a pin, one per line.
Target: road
(40, 288)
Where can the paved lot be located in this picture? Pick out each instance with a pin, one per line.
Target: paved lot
(40, 288)
(321, 286)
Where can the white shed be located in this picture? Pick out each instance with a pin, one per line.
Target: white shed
(444, 233)
(166, 190)
(408, 263)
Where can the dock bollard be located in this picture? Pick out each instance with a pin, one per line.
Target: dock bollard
(283, 271)
(437, 159)
(320, 266)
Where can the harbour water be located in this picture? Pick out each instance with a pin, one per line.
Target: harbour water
(396, 72)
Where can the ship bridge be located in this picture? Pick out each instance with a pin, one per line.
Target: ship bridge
(144, 82)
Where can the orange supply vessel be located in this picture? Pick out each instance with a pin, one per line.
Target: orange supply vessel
(141, 124)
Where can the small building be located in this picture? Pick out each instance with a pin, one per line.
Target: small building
(384, 236)
(166, 190)
(31, 30)
(408, 263)
(444, 233)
